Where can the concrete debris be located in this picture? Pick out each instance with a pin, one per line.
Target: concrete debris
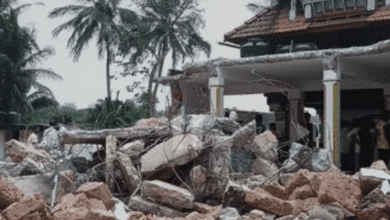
(188, 168)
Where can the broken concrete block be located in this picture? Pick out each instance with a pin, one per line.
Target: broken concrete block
(228, 213)
(320, 161)
(235, 197)
(195, 216)
(284, 177)
(147, 122)
(72, 213)
(119, 210)
(96, 204)
(198, 177)
(369, 179)
(27, 166)
(130, 174)
(379, 165)
(97, 190)
(26, 206)
(43, 184)
(302, 193)
(168, 194)
(219, 160)
(201, 207)
(301, 216)
(178, 150)
(8, 194)
(265, 145)
(16, 150)
(301, 178)
(71, 201)
(244, 135)
(263, 200)
(343, 189)
(277, 191)
(256, 215)
(97, 214)
(200, 125)
(304, 205)
(328, 211)
(373, 213)
(263, 167)
(133, 147)
(139, 204)
(227, 124)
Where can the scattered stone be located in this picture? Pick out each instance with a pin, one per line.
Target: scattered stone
(168, 194)
(130, 174)
(263, 200)
(343, 189)
(20, 210)
(284, 177)
(178, 150)
(198, 177)
(320, 161)
(199, 125)
(96, 204)
(379, 165)
(228, 213)
(264, 167)
(97, 190)
(147, 122)
(196, 216)
(277, 191)
(202, 208)
(72, 213)
(302, 193)
(97, 214)
(244, 135)
(235, 197)
(227, 124)
(256, 215)
(8, 194)
(43, 185)
(335, 210)
(369, 179)
(72, 201)
(301, 178)
(139, 204)
(119, 210)
(305, 205)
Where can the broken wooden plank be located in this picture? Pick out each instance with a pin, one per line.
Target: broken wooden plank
(99, 137)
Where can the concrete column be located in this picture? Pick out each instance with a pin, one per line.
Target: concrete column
(386, 94)
(331, 80)
(216, 86)
(293, 98)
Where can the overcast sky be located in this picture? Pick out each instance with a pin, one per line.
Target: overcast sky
(85, 81)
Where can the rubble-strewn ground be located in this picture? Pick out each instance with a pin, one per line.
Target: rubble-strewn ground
(193, 167)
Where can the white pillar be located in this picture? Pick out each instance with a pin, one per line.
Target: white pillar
(331, 80)
(293, 98)
(216, 86)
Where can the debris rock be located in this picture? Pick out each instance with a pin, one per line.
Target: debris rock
(97, 190)
(264, 167)
(136, 215)
(168, 194)
(301, 178)
(343, 189)
(16, 150)
(255, 215)
(369, 179)
(320, 161)
(263, 200)
(178, 150)
(379, 165)
(96, 204)
(277, 191)
(244, 135)
(196, 216)
(305, 205)
(227, 124)
(199, 125)
(43, 184)
(265, 145)
(72, 213)
(97, 214)
(302, 192)
(228, 213)
(284, 177)
(133, 147)
(198, 177)
(129, 173)
(336, 211)
(28, 166)
(139, 204)
(301, 216)
(219, 157)
(147, 122)
(8, 194)
(71, 201)
(235, 197)
(19, 210)
(202, 208)
(119, 210)
(374, 205)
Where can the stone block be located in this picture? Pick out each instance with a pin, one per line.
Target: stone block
(263, 200)
(72, 213)
(97, 190)
(264, 167)
(265, 146)
(97, 214)
(228, 213)
(379, 165)
(96, 204)
(129, 173)
(133, 147)
(168, 194)
(43, 184)
(302, 193)
(338, 188)
(197, 216)
(8, 194)
(277, 191)
(140, 204)
(201, 207)
(24, 207)
(301, 178)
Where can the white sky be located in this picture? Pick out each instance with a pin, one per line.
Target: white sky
(85, 81)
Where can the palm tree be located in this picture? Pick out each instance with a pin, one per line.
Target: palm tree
(167, 26)
(19, 53)
(101, 19)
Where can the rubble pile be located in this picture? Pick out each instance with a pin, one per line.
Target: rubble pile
(192, 167)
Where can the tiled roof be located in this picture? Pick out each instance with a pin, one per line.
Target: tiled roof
(275, 21)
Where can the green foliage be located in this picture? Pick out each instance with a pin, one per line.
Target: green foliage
(115, 114)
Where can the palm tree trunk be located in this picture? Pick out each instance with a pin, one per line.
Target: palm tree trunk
(108, 71)
(154, 98)
(150, 86)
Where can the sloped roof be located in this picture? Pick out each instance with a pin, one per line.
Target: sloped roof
(275, 21)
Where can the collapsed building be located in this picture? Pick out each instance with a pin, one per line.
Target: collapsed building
(183, 166)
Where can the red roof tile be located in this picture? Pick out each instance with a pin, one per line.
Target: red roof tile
(275, 21)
